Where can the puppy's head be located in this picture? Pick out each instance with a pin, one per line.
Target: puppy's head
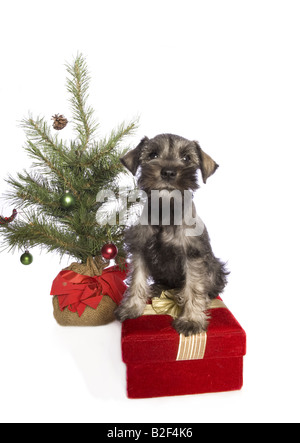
(169, 162)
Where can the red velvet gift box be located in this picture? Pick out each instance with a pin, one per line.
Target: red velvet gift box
(160, 362)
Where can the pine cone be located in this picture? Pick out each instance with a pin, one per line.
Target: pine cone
(59, 122)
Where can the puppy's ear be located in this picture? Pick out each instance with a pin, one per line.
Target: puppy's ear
(132, 159)
(206, 164)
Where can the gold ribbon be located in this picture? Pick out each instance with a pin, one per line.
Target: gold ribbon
(192, 347)
(166, 305)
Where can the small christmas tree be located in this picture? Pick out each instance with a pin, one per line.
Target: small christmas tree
(57, 198)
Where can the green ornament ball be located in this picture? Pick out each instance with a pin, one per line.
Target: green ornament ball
(26, 258)
(67, 201)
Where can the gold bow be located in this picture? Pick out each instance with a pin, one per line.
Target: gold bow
(166, 305)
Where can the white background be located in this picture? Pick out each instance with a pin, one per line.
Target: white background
(226, 73)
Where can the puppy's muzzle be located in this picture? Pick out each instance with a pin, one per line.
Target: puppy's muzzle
(168, 173)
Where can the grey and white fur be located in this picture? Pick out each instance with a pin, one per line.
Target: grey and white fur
(164, 254)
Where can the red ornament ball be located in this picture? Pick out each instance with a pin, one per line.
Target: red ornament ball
(109, 251)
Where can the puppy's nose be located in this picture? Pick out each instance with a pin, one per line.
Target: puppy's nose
(168, 173)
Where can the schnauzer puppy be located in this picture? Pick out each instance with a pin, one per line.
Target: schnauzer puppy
(165, 254)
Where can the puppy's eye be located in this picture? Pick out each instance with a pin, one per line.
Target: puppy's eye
(153, 155)
(186, 158)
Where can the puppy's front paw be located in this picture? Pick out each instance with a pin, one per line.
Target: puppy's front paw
(121, 313)
(188, 327)
(126, 311)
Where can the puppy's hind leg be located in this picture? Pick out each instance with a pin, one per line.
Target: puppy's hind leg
(137, 294)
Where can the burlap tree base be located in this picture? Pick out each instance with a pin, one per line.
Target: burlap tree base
(104, 313)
